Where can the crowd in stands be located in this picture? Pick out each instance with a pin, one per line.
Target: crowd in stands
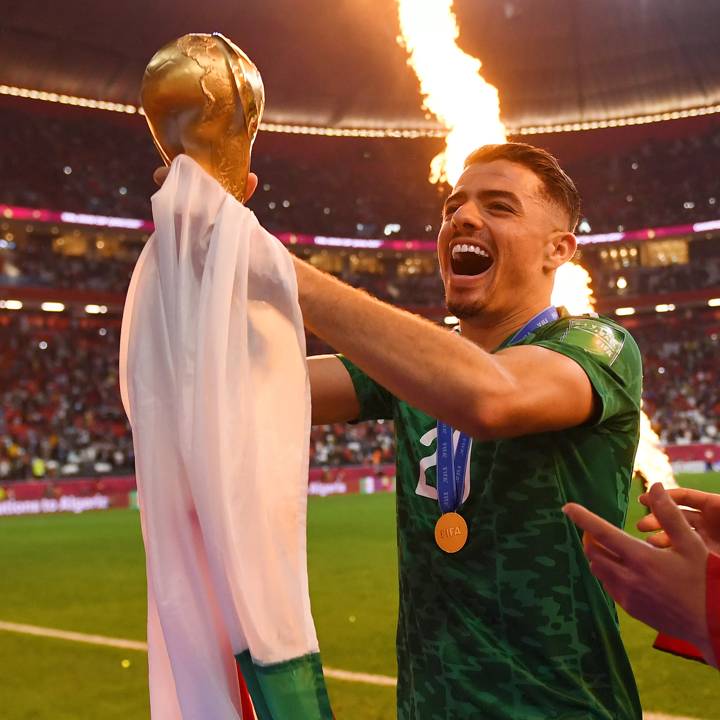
(660, 183)
(682, 379)
(94, 162)
(369, 444)
(34, 263)
(60, 411)
(61, 415)
(640, 280)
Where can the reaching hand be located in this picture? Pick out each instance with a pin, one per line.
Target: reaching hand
(663, 588)
(704, 516)
(161, 173)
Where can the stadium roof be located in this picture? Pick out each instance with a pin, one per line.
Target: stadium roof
(336, 62)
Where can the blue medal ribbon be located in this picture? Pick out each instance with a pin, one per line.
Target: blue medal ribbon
(452, 463)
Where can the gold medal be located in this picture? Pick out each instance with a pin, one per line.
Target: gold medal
(451, 532)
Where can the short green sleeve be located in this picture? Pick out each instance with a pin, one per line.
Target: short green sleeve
(609, 356)
(376, 403)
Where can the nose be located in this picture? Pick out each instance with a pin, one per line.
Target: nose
(466, 219)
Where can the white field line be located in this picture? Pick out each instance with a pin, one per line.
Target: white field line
(142, 647)
(74, 636)
(367, 678)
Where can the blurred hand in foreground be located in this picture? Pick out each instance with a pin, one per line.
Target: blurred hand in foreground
(664, 588)
(701, 510)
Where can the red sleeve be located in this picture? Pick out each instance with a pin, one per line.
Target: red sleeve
(676, 646)
(685, 649)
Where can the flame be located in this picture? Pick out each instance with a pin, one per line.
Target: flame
(652, 464)
(455, 92)
(572, 289)
(451, 84)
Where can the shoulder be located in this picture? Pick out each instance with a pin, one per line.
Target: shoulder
(608, 343)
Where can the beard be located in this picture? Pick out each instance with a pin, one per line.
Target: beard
(465, 310)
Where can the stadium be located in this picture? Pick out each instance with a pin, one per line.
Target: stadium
(625, 95)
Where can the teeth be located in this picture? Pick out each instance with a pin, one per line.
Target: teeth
(469, 248)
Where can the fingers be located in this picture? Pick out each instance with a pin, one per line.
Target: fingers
(659, 540)
(650, 523)
(602, 531)
(670, 517)
(608, 568)
(252, 183)
(160, 175)
(596, 552)
(682, 496)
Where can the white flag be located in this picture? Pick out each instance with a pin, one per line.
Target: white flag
(214, 380)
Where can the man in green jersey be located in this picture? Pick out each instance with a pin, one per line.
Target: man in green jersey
(513, 625)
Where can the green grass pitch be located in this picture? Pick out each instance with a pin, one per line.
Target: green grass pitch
(86, 573)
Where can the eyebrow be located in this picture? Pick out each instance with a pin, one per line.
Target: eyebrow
(485, 195)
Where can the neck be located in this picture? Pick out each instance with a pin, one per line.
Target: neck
(489, 330)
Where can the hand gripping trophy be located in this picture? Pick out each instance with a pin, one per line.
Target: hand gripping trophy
(203, 97)
(214, 381)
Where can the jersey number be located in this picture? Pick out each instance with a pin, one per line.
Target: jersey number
(428, 491)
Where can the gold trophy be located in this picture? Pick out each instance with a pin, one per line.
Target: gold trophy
(203, 97)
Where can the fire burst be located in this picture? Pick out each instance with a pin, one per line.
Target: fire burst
(450, 82)
(469, 107)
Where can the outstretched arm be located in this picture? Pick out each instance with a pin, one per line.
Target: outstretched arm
(514, 392)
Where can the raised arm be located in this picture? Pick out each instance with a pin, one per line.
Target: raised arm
(333, 395)
(514, 392)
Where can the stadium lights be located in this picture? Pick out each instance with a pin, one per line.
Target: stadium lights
(669, 307)
(96, 309)
(52, 307)
(10, 305)
(436, 131)
(708, 225)
(625, 311)
(292, 129)
(450, 320)
(714, 302)
(616, 122)
(67, 99)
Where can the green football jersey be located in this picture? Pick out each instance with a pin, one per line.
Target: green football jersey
(514, 625)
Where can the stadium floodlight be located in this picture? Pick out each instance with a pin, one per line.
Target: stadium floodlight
(52, 307)
(450, 320)
(11, 305)
(96, 309)
(665, 307)
(625, 311)
(714, 302)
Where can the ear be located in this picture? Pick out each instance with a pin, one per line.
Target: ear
(251, 187)
(560, 248)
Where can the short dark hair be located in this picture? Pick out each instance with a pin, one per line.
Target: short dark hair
(558, 185)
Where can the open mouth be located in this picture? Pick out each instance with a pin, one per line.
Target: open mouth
(469, 259)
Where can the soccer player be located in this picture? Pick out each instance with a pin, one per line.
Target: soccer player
(497, 427)
(513, 624)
